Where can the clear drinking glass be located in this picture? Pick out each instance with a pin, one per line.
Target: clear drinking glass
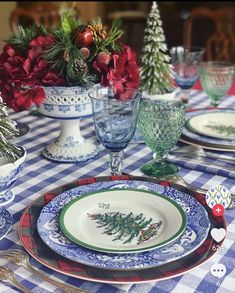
(161, 123)
(115, 122)
(216, 78)
(186, 64)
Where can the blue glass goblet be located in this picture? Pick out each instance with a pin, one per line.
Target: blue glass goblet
(186, 64)
(115, 122)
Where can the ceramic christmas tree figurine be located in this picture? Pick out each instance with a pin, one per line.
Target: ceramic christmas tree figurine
(156, 71)
(7, 129)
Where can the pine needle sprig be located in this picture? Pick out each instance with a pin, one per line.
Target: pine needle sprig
(109, 43)
(55, 54)
(21, 40)
(64, 67)
(115, 33)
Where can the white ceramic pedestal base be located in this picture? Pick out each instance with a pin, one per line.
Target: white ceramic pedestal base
(71, 145)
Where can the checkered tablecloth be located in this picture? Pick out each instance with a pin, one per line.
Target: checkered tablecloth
(41, 175)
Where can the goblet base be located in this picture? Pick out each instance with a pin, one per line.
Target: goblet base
(156, 169)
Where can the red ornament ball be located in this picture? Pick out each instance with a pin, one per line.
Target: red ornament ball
(83, 38)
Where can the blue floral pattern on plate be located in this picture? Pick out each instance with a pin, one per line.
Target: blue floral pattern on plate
(196, 231)
(206, 139)
(6, 221)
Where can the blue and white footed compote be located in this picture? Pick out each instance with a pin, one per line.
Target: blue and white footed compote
(9, 173)
(68, 105)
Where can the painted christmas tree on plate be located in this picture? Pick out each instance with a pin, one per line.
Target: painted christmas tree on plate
(126, 227)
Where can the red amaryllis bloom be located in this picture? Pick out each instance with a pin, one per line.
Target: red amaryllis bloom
(11, 65)
(53, 79)
(28, 64)
(24, 99)
(21, 75)
(122, 73)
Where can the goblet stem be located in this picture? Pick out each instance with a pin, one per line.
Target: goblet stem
(116, 162)
(185, 95)
(214, 100)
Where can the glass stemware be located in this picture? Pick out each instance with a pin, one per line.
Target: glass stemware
(115, 122)
(161, 123)
(186, 64)
(216, 78)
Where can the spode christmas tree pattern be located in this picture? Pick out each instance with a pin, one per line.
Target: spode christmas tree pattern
(126, 227)
(156, 73)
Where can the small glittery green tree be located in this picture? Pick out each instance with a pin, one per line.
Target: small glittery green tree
(156, 74)
(7, 129)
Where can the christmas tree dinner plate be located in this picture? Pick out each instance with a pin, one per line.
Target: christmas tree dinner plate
(103, 221)
(203, 139)
(196, 231)
(216, 124)
(33, 244)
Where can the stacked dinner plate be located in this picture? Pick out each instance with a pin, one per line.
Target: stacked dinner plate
(127, 230)
(210, 128)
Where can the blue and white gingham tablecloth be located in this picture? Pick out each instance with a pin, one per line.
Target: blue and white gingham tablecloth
(41, 175)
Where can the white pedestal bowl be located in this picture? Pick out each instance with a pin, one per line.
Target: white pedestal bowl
(68, 105)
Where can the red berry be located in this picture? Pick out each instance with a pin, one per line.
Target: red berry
(103, 57)
(84, 38)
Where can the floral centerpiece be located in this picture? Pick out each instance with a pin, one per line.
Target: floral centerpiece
(75, 54)
(56, 69)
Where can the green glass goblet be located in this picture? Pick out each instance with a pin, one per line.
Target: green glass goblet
(161, 123)
(216, 78)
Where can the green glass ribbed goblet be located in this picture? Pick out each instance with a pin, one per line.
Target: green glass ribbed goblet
(160, 123)
(216, 78)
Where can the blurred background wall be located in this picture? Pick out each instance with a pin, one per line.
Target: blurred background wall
(133, 14)
(5, 11)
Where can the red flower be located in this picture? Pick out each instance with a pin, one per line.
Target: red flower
(21, 75)
(122, 73)
(52, 78)
(24, 99)
(23, 71)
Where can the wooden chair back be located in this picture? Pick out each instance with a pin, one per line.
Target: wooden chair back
(47, 14)
(220, 42)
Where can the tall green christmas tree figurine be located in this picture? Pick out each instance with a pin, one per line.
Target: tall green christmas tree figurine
(156, 74)
(7, 129)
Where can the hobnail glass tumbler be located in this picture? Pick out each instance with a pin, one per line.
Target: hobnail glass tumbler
(161, 123)
(216, 78)
(115, 122)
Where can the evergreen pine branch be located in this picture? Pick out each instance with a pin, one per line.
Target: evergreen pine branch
(109, 43)
(21, 40)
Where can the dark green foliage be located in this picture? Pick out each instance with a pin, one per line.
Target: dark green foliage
(24, 36)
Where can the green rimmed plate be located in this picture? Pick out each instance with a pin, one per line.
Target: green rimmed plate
(122, 220)
(217, 124)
